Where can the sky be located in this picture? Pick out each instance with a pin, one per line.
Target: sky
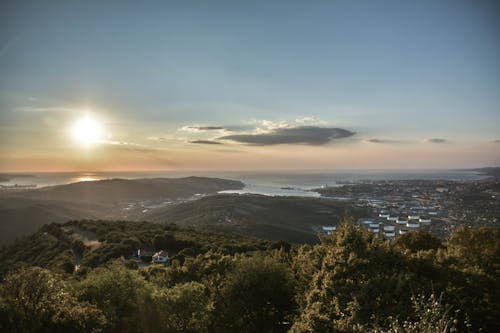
(248, 85)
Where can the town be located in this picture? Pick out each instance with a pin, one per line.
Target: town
(436, 206)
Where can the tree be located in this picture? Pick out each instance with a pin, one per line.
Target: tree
(360, 278)
(417, 241)
(432, 316)
(257, 296)
(182, 308)
(121, 294)
(478, 248)
(163, 241)
(472, 257)
(35, 300)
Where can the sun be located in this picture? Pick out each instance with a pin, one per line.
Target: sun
(87, 131)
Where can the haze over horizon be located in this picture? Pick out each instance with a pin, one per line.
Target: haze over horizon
(272, 85)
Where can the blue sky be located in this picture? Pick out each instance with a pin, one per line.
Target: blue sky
(399, 72)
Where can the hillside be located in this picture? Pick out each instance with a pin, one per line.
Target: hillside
(112, 191)
(24, 211)
(293, 219)
(351, 281)
(22, 216)
(490, 171)
(52, 245)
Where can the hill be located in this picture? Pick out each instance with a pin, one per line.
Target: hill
(292, 219)
(24, 211)
(490, 171)
(22, 216)
(111, 191)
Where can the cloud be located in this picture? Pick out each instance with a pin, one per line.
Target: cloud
(436, 140)
(496, 141)
(376, 140)
(207, 128)
(127, 146)
(197, 128)
(206, 142)
(43, 109)
(308, 135)
(310, 120)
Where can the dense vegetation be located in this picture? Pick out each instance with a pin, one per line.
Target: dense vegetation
(350, 282)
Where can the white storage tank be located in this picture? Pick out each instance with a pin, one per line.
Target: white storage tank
(425, 220)
(389, 228)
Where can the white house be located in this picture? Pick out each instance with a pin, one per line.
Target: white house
(160, 257)
(425, 220)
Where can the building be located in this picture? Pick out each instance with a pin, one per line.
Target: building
(328, 229)
(160, 257)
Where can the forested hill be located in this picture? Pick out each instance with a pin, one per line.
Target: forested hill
(294, 219)
(23, 211)
(350, 282)
(117, 190)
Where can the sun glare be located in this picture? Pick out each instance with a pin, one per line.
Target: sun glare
(87, 131)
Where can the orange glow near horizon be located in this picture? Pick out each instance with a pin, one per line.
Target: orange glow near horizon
(109, 158)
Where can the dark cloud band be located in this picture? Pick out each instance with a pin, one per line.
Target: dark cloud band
(436, 140)
(308, 135)
(207, 128)
(205, 142)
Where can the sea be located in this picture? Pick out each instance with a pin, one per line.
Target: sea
(284, 183)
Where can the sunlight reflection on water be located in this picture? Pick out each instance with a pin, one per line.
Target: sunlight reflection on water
(86, 178)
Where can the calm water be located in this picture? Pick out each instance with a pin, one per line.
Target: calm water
(267, 183)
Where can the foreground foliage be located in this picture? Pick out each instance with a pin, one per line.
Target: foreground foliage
(350, 282)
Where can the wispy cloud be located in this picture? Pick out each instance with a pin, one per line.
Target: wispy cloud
(384, 141)
(308, 135)
(43, 109)
(207, 128)
(203, 128)
(310, 120)
(127, 145)
(205, 142)
(436, 140)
